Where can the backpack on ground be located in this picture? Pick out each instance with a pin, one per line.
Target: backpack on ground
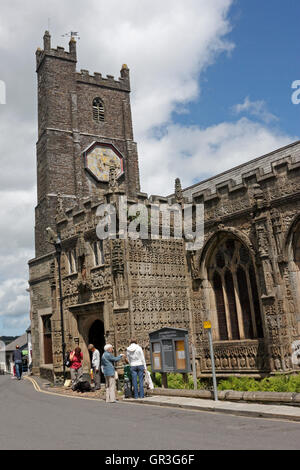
(82, 387)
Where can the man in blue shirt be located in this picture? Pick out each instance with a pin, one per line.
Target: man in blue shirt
(17, 358)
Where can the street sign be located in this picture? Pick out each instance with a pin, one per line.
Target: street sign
(207, 325)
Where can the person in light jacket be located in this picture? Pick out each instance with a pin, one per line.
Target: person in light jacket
(108, 362)
(136, 359)
(95, 365)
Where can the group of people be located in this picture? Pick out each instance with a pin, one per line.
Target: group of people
(134, 357)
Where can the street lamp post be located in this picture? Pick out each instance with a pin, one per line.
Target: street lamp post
(58, 250)
(207, 326)
(55, 240)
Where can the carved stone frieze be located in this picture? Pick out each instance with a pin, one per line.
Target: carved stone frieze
(243, 357)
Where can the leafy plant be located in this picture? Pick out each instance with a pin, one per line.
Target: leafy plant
(279, 383)
(176, 382)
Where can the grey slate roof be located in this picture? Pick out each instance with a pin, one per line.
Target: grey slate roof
(21, 341)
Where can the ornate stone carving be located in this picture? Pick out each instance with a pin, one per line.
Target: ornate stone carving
(277, 223)
(258, 196)
(60, 213)
(262, 238)
(178, 191)
(237, 357)
(113, 181)
(118, 270)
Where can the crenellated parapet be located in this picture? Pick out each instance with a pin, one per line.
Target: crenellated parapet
(258, 189)
(58, 53)
(122, 84)
(239, 179)
(84, 76)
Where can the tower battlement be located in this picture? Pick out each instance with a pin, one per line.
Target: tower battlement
(77, 110)
(109, 81)
(84, 76)
(59, 52)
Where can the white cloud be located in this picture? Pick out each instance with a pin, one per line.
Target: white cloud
(193, 153)
(17, 137)
(13, 297)
(15, 326)
(16, 248)
(258, 109)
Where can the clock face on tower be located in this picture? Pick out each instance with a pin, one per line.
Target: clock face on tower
(100, 158)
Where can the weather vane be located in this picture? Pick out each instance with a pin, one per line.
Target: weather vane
(71, 34)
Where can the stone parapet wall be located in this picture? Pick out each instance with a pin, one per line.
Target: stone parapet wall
(260, 169)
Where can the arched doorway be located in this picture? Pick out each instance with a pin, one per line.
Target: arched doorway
(47, 335)
(96, 337)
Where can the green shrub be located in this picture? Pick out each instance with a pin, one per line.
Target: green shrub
(279, 383)
(176, 382)
(239, 384)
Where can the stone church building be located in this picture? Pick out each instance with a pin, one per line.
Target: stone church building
(245, 278)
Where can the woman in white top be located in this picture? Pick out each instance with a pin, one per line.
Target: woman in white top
(138, 367)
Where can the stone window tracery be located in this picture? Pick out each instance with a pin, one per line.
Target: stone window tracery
(98, 110)
(232, 276)
(98, 253)
(294, 277)
(297, 248)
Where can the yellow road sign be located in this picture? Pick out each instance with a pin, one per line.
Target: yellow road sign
(207, 325)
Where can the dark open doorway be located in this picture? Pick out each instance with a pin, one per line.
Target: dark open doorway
(96, 337)
(48, 353)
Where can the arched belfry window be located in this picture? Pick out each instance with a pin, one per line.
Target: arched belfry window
(232, 277)
(98, 110)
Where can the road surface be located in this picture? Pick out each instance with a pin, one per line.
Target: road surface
(32, 420)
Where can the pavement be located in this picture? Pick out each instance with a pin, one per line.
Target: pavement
(32, 418)
(256, 410)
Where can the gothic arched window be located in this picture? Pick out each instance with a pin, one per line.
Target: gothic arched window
(297, 248)
(232, 276)
(98, 110)
(294, 272)
(217, 283)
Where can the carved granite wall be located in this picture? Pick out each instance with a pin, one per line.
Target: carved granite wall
(159, 289)
(259, 213)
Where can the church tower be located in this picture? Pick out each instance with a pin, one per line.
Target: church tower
(84, 129)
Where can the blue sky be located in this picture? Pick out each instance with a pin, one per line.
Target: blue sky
(211, 89)
(263, 64)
